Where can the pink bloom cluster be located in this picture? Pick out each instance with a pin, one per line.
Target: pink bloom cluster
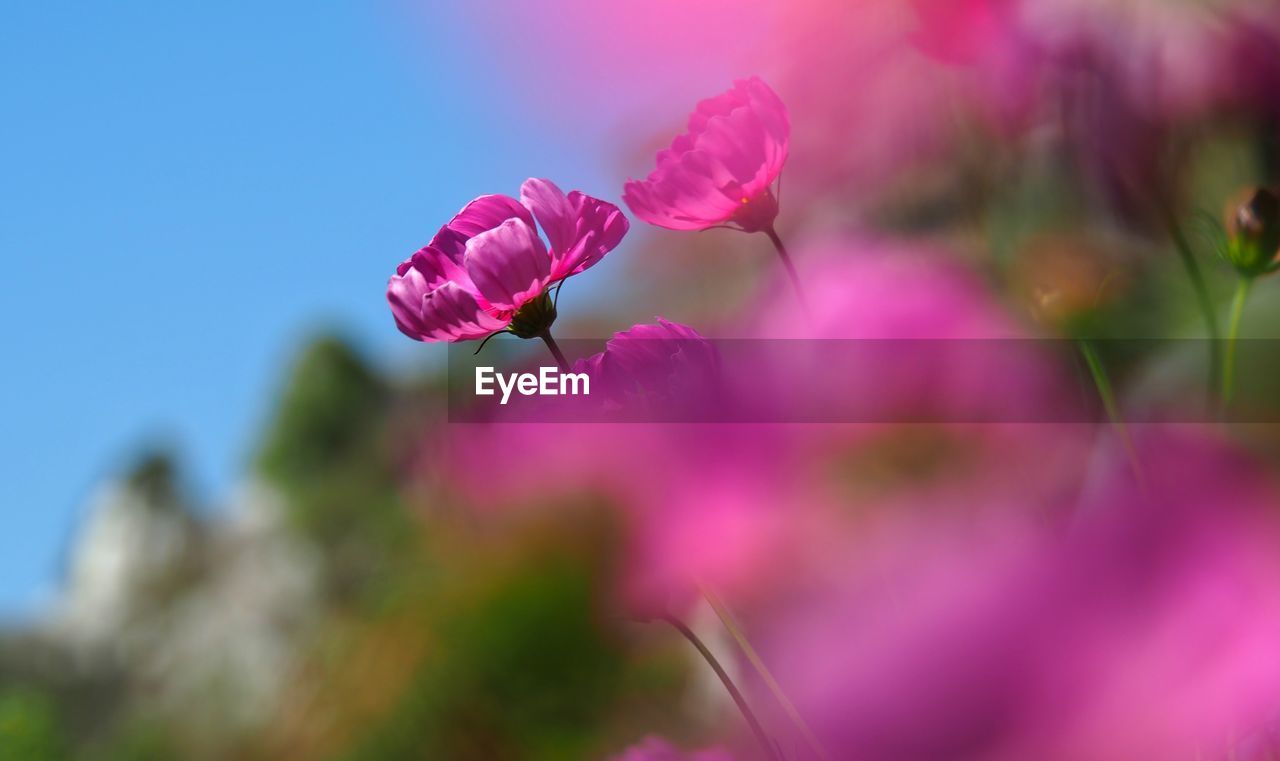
(1143, 629)
(926, 591)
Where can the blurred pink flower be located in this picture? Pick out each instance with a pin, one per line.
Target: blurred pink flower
(1170, 60)
(721, 170)
(882, 288)
(941, 345)
(702, 504)
(488, 262)
(1145, 628)
(985, 42)
(665, 363)
(657, 749)
(724, 503)
(962, 31)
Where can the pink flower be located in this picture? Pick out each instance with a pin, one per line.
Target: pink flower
(720, 171)
(646, 363)
(987, 45)
(657, 749)
(667, 363)
(487, 269)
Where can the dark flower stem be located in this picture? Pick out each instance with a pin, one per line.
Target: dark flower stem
(735, 630)
(555, 351)
(790, 267)
(738, 699)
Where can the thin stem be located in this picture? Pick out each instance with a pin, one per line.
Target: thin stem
(1205, 301)
(790, 267)
(1233, 334)
(1102, 382)
(735, 630)
(555, 351)
(734, 693)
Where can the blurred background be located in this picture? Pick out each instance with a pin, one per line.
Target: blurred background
(226, 530)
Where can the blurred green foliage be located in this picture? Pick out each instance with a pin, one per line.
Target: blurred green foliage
(327, 451)
(520, 670)
(29, 727)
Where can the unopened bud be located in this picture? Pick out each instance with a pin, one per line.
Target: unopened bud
(1253, 232)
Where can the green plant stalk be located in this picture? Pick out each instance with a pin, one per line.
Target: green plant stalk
(739, 636)
(741, 702)
(1205, 301)
(1233, 335)
(1102, 382)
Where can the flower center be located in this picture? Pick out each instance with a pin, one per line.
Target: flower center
(756, 213)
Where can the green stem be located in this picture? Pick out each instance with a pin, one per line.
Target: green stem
(739, 636)
(1102, 382)
(734, 692)
(555, 351)
(1233, 334)
(1203, 298)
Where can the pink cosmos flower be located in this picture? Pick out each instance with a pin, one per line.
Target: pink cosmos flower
(487, 270)
(721, 170)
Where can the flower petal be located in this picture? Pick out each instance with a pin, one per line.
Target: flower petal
(600, 228)
(580, 228)
(434, 266)
(552, 210)
(735, 147)
(508, 264)
(405, 291)
(450, 313)
(484, 213)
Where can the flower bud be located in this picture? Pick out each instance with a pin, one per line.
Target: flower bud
(1253, 232)
(534, 318)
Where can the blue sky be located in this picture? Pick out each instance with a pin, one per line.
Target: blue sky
(188, 189)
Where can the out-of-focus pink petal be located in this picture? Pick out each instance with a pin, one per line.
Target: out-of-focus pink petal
(644, 346)
(580, 229)
(1144, 628)
(662, 368)
(508, 264)
(590, 365)
(685, 194)
(734, 150)
(964, 31)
